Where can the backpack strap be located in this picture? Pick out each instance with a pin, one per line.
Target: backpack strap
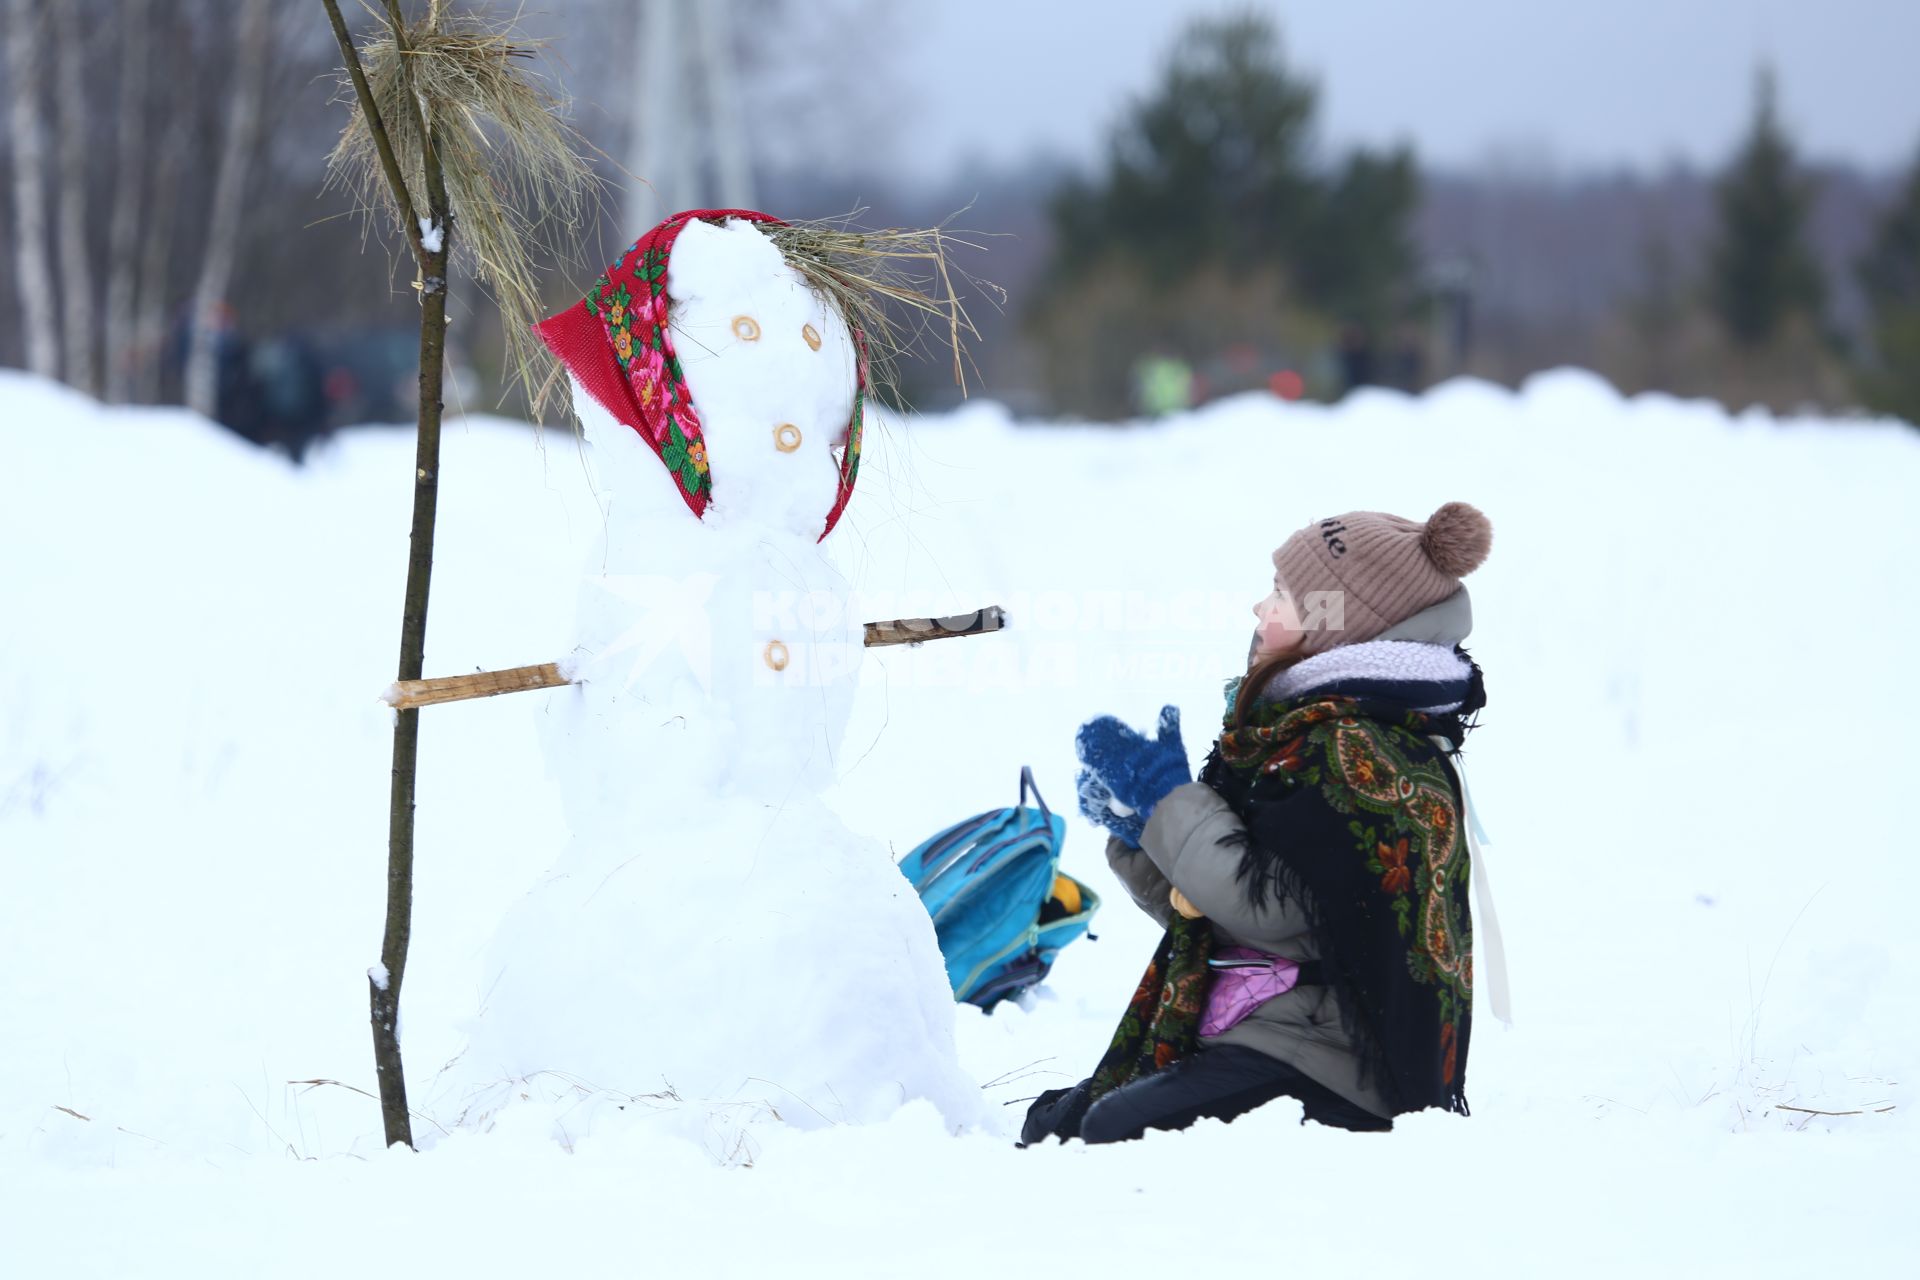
(1028, 784)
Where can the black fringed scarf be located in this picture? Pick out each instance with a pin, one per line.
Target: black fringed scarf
(1351, 812)
(1162, 1021)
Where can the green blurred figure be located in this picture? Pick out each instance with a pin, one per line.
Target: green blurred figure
(1162, 384)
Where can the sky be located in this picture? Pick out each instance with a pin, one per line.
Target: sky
(1532, 84)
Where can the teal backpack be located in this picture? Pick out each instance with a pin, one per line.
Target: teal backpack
(1000, 906)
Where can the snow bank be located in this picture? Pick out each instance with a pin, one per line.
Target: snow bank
(1694, 627)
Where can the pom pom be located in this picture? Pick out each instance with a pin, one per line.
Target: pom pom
(1456, 539)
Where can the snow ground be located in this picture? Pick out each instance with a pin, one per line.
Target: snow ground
(1694, 769)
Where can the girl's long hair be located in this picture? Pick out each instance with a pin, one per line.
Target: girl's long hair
(1258, 677)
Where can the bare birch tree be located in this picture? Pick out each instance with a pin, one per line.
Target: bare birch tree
(25, 52)
(653, 151)
(687, 127)
(76, 265)
(733, 169)
(156, 254)
(242, 136)
(129, 178)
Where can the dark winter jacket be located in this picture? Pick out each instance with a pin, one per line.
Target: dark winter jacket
(1378, 1039)
(1192, 841)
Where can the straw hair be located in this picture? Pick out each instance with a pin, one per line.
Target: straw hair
(516, 178)
(895, 285)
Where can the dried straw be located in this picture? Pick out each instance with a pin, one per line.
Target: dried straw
(895, 285)
(516, 177)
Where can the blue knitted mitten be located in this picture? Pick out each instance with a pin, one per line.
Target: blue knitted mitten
(1138, 771)
(1097, 807)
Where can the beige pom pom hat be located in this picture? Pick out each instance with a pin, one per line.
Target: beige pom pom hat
(1377, 570)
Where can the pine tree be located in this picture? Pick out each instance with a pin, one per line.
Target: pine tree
(1360, 251)
(1213, 225)
(1212, 167)
(1890, 277)
(1761, 272)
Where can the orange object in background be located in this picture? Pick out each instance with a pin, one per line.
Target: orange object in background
(1287, 384)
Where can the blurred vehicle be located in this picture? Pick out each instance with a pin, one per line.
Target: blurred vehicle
(372, 376)
(289, 390)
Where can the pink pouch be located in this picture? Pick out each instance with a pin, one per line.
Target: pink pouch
(1243, 980)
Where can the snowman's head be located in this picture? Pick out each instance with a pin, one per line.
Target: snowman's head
(744, 381)
(773, 372)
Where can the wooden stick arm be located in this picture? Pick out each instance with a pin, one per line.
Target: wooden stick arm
(913, 630)
(402, 695)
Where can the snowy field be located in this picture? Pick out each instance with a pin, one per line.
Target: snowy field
(1695, 768)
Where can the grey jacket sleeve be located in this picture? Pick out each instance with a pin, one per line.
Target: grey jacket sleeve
(1184, 841)
(1144, 883)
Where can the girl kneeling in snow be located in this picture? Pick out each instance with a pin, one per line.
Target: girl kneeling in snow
(1314, 881)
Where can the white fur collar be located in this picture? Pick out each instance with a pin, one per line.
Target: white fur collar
(1391, 661)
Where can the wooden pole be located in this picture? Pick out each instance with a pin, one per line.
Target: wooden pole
(384, 982)
(384, 997)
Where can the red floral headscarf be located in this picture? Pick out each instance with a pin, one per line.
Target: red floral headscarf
(616, 344)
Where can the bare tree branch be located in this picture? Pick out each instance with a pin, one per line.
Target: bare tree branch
(76, 264)
(229, 190)
(161, 214)
(370, 110)
(384, 984)
(38, 317)
(430, 155)
(129, 178)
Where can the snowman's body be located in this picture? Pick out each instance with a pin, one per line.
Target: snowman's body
(711, 928)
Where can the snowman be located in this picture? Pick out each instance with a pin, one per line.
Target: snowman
(713, 948)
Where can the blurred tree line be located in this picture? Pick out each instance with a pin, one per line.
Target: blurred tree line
(167, 166)
(1216, 246)
(1213, 233)
(1890, 278)
(1211, 238)
(165, 159)
(1754, 321)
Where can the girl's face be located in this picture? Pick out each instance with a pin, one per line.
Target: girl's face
(1279, 631)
